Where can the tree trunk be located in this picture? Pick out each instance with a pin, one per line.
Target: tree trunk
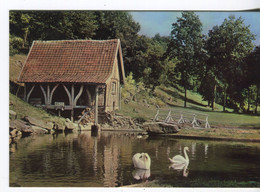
(214, 95)
(256, 100)
(248, 100)
(24, 39)
(185, 96)
(224, 99)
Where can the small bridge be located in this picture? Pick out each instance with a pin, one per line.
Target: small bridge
(180, 117)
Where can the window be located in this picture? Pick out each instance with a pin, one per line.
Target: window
(113, 88)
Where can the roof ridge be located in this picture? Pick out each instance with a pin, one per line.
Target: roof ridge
(76, 40)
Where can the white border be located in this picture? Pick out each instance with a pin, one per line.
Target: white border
(128, 5)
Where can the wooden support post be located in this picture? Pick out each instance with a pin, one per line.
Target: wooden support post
(95, 128)
(96, 105)
(72, 115)
(72, 102)
(72, 95)
(168, 118)
(68, 93)
(52, 91)
(48, 94)
(194, 121)
(156, 116)
(207, 122)
(24, 92)
(181, 120)
(44, 94)
(28, 96)
(78, 95)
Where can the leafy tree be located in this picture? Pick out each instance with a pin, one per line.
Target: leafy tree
(153, 59)
(253, 77)
(120, 25)
(185, 45)
(51, 25)
(227, 46)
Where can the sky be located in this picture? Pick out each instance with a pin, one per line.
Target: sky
(161, 22)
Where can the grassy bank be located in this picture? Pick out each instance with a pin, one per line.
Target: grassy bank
(24, 109)
(216, 118)
(224, 125)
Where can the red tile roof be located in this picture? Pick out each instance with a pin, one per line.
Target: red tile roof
(82, 61)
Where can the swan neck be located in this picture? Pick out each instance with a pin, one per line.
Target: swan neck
(186, 156)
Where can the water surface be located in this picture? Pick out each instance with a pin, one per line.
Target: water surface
(82, 160)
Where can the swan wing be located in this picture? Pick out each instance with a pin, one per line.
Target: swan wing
(178, 166)
(141, 161)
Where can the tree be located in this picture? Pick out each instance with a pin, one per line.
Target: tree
(51, 25)
(153, 57)
(186, 46)
(227, 46)
(253, 77)
(120, 25)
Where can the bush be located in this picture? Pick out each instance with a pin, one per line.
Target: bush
(15, 45)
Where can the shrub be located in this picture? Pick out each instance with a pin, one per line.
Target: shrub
(15, 44)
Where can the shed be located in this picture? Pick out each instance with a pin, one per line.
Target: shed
(66, 75)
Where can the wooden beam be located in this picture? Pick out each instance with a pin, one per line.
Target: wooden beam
(68, 93)
(89, 97)
(44, 94)
(78, 95)
(28, 96)
(48, 94)
(96, 105)
(52, 91)
(72, 94)
(24, 92)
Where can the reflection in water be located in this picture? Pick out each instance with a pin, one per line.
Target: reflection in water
(142, 174)
(95, 156)
(206, 150)
(181, 166)
(193, 149)
(111, 163)
(80, 160)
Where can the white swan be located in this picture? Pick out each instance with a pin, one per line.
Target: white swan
(143, 174)
(178, 159)
(179, 162)
(142, 160)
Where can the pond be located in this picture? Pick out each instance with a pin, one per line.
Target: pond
(81, 160)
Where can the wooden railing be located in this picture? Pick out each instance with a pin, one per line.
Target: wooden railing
(172, 116)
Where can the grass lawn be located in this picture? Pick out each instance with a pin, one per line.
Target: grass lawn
(24, 109)
(174, 99)
(216, 118)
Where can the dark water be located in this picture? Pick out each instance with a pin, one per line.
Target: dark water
(81, 160)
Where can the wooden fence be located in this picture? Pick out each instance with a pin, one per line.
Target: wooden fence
(172, 116)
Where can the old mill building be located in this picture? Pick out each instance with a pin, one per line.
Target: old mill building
(70, 75)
